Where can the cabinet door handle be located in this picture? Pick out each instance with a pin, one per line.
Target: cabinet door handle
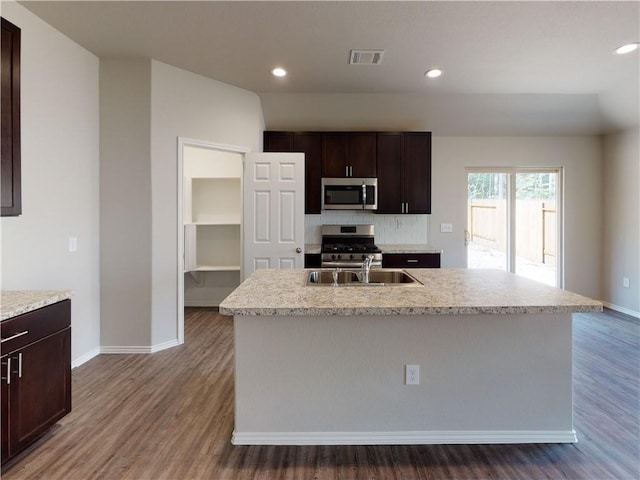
(20, 365)
(346, 171)
(412, 261)
(8, 377)
(14, 336)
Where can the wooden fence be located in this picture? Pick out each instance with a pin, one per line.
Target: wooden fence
(536, 227)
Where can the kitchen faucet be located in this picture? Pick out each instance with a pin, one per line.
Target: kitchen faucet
(366, 266)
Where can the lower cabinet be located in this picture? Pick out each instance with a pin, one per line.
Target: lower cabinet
(411, 260)
(36, 375)
(312, 260)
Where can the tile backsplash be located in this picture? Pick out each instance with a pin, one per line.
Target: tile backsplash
(389, 229)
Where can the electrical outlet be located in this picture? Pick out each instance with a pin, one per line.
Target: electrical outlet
(625, 282)
(73, 244)
(412, 374)
(446, 228)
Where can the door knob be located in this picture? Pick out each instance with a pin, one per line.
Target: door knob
(298, 250)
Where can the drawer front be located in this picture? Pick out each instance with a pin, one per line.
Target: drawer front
(411, 260)
(27, 328)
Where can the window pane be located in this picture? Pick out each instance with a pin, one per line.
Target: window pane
(487, 220)
(536, 226)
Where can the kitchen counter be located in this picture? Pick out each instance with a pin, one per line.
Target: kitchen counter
(315, 248)
(17, 302)
(445, 292)
(408, 248)
(326, 365)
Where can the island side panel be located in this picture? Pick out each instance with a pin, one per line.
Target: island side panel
(340, 379)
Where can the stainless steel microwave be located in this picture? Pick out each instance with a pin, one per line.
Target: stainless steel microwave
(349, 193)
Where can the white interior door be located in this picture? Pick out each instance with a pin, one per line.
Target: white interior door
(273, 211)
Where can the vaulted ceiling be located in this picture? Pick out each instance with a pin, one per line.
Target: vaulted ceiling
(509, 67)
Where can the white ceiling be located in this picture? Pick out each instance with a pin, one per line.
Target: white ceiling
(510, 67)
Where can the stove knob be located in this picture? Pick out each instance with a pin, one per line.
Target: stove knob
(333, 257)
(350, 257)
(339, 257)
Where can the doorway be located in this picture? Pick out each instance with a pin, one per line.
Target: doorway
(514, 222)
(209, 222)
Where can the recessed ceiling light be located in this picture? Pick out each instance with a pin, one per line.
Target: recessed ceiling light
(628, 48)
(278, 72)
(433, 73)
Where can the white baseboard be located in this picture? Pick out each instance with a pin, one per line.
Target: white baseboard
(617, 308)
(403, 438)
(163, 346)
(113, 350)
(85, 358)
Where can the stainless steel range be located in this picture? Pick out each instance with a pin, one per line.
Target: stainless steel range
(347, 246)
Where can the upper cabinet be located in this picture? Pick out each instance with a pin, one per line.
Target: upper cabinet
(309, 143)
(349, 154)
(404, 172)
(10, 191)
(401, 161)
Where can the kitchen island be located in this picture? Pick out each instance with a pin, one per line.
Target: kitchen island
(326, 365)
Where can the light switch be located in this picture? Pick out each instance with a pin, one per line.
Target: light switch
(446, 228)
(73, 244)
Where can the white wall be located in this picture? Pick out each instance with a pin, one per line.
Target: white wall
(622, 221)
(188, 105)
(60, 162)
(125, 203)
(581, 159)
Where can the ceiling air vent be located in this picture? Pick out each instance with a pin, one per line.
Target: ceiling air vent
(366, 57)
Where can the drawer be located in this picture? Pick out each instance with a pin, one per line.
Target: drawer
(24, 329)
(411, 260)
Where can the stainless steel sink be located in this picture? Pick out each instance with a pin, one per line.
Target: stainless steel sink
(325, 277)
(351, 278)
(391, 277)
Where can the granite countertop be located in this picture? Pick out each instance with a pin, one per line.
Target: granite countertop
(408, 248)
(386, 248)
(313, 248)
(17, 302)
(445, 291)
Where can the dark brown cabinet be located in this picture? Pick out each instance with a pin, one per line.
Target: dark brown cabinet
(309, 143)
(411, 260)
(36, 375)
(10, 187)
(404, 172)
(401, 161)
(349, 154)
(312, 260)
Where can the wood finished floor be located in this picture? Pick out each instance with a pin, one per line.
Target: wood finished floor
(169, 415)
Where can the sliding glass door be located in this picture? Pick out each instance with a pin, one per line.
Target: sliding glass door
(514, 222)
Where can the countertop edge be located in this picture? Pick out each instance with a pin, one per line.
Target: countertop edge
(18, 302)
(362, 311)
